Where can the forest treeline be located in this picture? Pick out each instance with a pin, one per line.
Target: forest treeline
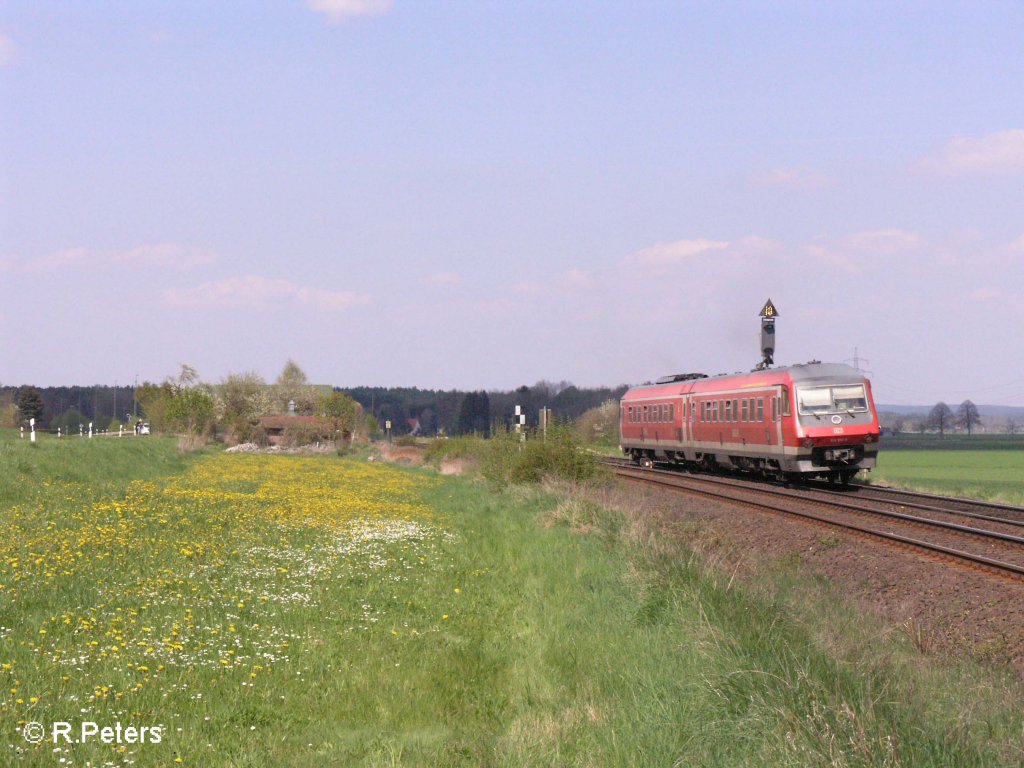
(409, 409)
(457, 412)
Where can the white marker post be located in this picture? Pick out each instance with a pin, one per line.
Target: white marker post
(90, 430)
(32, 425)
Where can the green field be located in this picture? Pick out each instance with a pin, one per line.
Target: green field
(295, 611)
(994, 475)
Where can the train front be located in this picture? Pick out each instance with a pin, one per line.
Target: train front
(836, 428)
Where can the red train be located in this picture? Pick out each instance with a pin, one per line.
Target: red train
(811, 420)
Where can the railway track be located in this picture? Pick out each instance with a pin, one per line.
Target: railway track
(992, 543)
(985, 510)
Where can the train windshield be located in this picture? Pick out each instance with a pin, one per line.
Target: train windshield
(832, 399)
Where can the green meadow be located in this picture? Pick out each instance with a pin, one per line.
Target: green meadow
(993, 475)
(295, 611)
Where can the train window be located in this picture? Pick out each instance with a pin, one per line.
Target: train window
(814, 400)
(784, 402)
(745, 415)
(850, 398)
(735, 410)
(728, 410)
(664, 412)
(760, 409)
(672, 412)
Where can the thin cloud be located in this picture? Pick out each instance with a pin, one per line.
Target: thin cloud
(884, 241)
(987, 294)
(338, 11)
(263, 292)
(852, 252)
(667, 254)
(8, 50)
(792, 178)
(1001, 152)
(150, 256)
(444, 279)
(577, 278)
(1017, 246)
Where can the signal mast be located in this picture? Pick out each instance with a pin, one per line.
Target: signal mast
(768, 315)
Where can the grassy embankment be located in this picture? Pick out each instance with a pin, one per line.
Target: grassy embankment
(276, 611)
(987, 467)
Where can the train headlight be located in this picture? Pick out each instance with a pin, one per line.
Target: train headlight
(871, 438)
(807, 442)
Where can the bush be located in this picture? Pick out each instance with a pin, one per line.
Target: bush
(510, 460)
(296, 435)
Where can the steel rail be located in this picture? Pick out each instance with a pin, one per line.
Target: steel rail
(881, 498)
(678, 482)
(886, 490)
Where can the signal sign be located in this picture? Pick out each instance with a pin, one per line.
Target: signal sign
(769, 310)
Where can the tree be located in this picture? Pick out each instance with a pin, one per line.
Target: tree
(342, 411)
(474, 414)
(1011, 426)
(940, 417)
(292, 385)
(190, 411)
(29, 402)
(241, 399)
(153, 399)
(180, 404)
(600, 425)
(69, 421)
(8, 411)
(967, 415)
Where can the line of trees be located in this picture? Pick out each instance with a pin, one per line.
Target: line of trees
(232, 408)
(942, 418)
(455, 412)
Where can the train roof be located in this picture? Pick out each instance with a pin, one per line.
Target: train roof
(804, 372)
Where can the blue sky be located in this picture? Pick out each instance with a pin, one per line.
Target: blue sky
(483, 194)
